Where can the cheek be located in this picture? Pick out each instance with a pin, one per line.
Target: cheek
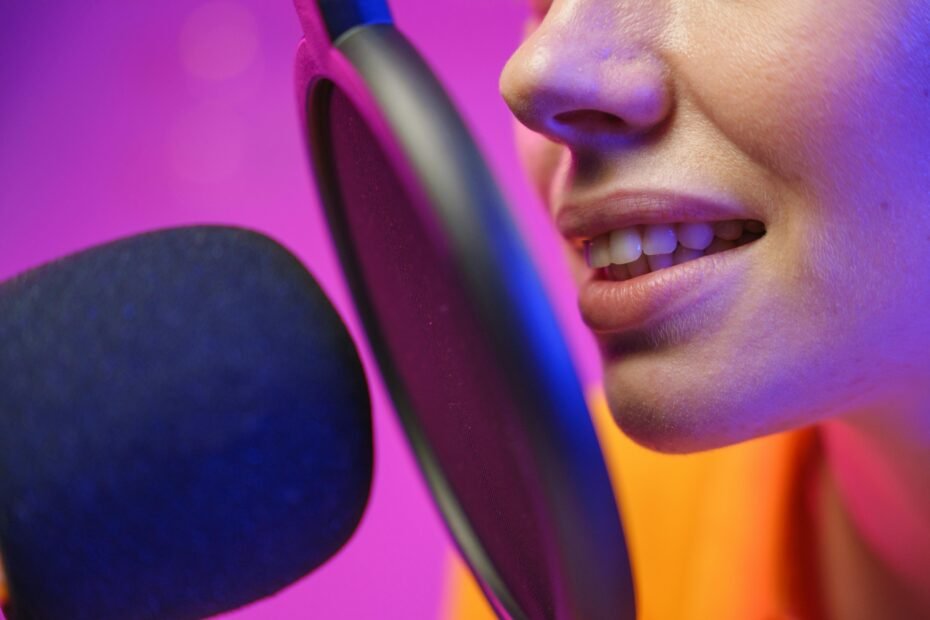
(545, 163)
(804, 84)
(829, 95)
(540, 158)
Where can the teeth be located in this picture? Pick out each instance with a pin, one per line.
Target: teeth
(729, 230)
(637, 250)
(660, 261)
(659, 239)
(625, 246)
(754, 226)
(683, 254)
(599, 252)
(618, 272)
(638, 267)
(695, 235)
(719, 245)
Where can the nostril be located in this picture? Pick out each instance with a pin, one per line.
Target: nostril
(591, 120)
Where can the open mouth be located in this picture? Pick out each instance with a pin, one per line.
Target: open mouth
(635, 251)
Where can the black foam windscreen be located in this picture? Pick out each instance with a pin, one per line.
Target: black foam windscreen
(185, 427)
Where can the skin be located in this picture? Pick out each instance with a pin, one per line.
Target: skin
(815, 114)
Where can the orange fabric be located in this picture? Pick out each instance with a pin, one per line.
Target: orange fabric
(710, 535)
(4, 593)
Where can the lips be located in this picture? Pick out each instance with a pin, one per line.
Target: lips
(582, 221)
(608, 305)
(614, 306)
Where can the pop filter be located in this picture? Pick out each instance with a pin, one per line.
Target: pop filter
(459, 323)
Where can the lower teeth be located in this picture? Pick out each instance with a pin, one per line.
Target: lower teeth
(681, 255)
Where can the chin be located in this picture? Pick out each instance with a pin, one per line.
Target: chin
(660, 428)
(678, 410)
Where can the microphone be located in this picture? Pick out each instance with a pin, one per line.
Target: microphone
(185, 427)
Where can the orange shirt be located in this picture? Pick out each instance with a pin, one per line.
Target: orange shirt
(4, 594)
(717, 534)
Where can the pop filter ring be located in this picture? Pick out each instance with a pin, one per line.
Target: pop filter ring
(352, 50)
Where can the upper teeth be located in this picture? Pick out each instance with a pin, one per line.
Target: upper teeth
(660, 241)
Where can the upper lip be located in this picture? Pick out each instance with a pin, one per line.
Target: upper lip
(586, 220)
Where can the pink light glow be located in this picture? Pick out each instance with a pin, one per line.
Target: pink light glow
(121, 117)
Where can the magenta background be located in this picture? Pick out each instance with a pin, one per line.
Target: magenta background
(119, 117)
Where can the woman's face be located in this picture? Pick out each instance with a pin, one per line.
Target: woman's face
(809, 116)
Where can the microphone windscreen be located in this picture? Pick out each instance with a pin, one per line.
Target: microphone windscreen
(185, 427)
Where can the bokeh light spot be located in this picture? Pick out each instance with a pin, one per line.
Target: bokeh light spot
(219, 40)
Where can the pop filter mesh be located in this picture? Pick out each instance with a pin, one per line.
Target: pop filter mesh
(436, 355)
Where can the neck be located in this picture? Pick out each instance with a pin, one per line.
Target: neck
(874, 516)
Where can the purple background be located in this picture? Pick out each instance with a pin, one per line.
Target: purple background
(120, 117)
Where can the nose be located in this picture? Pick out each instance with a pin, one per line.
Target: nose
(583, 83)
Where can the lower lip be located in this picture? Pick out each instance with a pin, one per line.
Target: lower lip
(614, 306)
